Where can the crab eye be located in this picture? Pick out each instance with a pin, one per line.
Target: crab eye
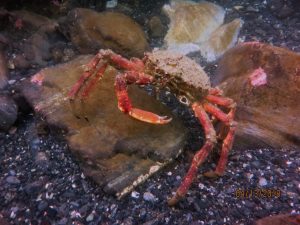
(184, 100)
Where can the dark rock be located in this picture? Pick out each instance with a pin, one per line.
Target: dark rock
(251, 9)
(32, 21)
(51, 212)
(8, 112)
(12, 180)
(42, 205)
(267, 114)
(89, 31)
(157, 29)
(36, 48)
(114, 149)
(20, 62)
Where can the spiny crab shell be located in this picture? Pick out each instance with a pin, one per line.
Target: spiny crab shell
(182, 75)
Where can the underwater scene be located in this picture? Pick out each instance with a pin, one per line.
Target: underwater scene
(150, 112)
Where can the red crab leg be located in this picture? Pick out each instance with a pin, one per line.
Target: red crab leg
(91, 66)
(110, 56)
(94, 81)
(219, 100)
(200, 156)
(133, 64)
(215, 91)
(215, 111)
(228, 140)
(124, 103)
(226, 146)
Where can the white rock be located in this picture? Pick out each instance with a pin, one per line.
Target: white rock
(262, 182)
(148, 196)
(135, 194)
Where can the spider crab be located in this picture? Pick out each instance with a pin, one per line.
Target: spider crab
(183, 77)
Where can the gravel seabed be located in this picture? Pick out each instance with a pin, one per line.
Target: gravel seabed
(41, 182)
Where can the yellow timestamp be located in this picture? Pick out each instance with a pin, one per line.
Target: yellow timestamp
(258, 193)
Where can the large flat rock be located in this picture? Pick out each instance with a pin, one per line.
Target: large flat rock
(115, 150)
(269, 107)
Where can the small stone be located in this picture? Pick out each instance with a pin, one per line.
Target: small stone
(49, 195)
(12, 173)
(42, 205)
(262, 182)
(12, 180)
(148, 196)
(238, 7)
(156, 27)
(251, 9)
(11, 82)
(90, 217)
(201, 186)
(8, 112)
(256, 164)
(249, 155)
(51, 212)
(135, 194)
(249, 176)
(63, 221)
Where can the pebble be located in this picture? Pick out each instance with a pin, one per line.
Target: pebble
(148, 196)
(251, 9)
(135, 194)
(12, 180)
(8, 112)
(90, 217)
(262, 182)
(42, 205)
(11, 82)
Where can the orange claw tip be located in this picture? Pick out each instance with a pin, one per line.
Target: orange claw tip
(148, 117)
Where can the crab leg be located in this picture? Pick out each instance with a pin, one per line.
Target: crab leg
(200, 156)
(227, 119)
(222, 101)
(109, 57)
(124, 102)
(89, 72)
(93, 82)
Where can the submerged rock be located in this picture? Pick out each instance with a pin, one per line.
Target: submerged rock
(222, 39)
(89, 31)
(3, 70)
(32, 21)
(265, 83)
(281, 219)
(32, 38)
(117, 151)
(8, 112)
(197, 27)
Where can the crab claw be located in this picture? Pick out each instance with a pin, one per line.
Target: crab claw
(148, 117)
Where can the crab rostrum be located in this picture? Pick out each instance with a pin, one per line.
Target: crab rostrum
(186, 80)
